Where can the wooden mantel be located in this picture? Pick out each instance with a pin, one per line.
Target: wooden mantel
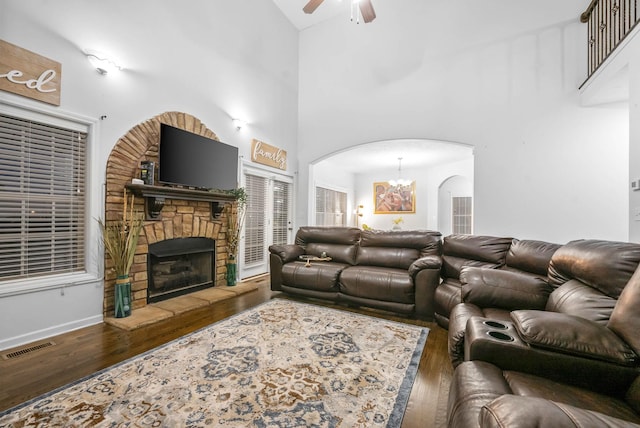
(155, 198)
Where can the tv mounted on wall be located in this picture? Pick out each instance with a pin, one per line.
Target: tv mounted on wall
(191, 160)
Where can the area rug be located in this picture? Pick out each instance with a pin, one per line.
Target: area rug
(280, 364)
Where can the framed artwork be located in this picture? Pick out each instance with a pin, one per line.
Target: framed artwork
(388, 199)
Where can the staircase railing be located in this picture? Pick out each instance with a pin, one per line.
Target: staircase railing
(609, 23)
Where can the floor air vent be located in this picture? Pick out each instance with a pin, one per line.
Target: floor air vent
(27, 350)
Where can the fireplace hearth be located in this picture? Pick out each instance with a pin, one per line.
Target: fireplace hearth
(180, 266)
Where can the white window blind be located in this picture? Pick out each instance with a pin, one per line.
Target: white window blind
(281, 207)
(462, 219)
(255, 218)
(42, 199)
(331, 206)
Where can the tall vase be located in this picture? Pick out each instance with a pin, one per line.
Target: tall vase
(122, 296)
(231, 271)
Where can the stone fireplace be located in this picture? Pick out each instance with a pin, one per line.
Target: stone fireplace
(183, 215)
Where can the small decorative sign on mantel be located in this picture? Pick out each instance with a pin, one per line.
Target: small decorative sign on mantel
(28, 74)
(266, 154)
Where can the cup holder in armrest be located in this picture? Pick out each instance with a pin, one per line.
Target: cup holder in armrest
(500, 336)
(495, 324)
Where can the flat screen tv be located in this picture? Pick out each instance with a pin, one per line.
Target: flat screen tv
(192, 160)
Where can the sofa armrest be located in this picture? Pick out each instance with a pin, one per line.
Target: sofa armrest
(288, 252)
(426, 262)
(491, 288)
(532, 412)
(573, 335)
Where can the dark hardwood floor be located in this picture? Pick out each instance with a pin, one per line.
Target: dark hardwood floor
(80, 353)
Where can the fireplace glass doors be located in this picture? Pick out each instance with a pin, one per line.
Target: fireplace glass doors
(180, 266)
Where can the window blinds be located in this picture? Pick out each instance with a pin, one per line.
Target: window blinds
(281, 204)
(254, 222)
(42, 199)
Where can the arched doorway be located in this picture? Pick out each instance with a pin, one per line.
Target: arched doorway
(353, 172)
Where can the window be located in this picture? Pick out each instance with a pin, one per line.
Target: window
(331, 206)
(42, 199)
(462, 219)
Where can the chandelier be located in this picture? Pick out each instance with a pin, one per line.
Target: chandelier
(400, 181)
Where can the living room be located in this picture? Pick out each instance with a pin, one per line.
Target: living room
(550, 161)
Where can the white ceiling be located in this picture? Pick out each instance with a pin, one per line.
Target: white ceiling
(327, 10)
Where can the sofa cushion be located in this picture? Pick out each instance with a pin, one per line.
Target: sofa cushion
(319, 276)
(528, 385)
(477, 383)
(531, 256)
(329, 235)
(633, 395)
(338, 253)
(427, 242)
(604, 265)
(452, 266)
(625, 318)
(397, 249)
(387, 257)
(503, 289)
(532, 412)
(377, 283)
(576, 298)
(572, 335)
(488, 249)
(340, 243)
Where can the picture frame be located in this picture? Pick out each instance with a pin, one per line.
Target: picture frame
(394, 199)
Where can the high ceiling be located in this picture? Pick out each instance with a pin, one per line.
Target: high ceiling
(379, 155)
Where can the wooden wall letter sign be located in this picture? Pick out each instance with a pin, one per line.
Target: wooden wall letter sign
(28, 74)
(268, 155)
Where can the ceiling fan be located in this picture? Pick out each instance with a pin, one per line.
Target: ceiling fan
(366, 8)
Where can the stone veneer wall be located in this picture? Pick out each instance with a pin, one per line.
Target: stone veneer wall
(178, 219)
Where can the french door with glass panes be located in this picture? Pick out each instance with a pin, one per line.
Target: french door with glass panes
(268, 218)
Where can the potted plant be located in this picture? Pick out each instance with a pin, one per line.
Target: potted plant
(396, 223)
(235, 219)
(120, 239)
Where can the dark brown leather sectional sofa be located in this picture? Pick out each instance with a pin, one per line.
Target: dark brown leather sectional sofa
(540, 334)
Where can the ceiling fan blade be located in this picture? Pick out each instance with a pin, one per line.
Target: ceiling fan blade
(366, 9)
(312, 5)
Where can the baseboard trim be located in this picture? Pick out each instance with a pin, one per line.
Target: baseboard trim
(35, 336)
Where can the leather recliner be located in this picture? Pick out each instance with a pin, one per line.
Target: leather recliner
(458, 252)
(522, 283)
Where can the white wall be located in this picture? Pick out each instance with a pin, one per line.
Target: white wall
(499, 76)
(213, 59)
(428, 181)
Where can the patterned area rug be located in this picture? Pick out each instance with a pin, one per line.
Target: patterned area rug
(280, 364)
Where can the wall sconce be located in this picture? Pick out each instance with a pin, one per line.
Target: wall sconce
(358, 213)
(102, 63)
(238, 124)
